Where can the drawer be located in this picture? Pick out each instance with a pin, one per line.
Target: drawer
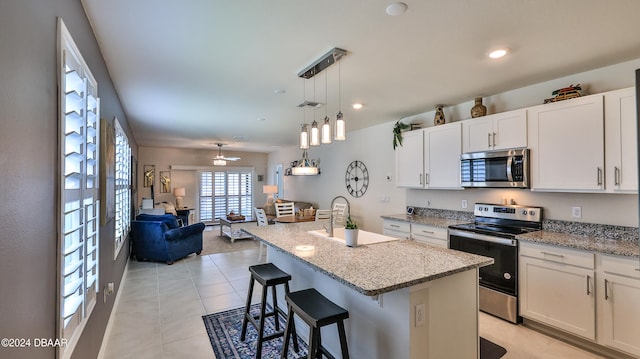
(622, 266)
(558, 254)
(395, 234)
(397, 226)
(428, 231)
(444, 243)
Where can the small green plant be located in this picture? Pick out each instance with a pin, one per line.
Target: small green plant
(397, 133)
(351, 224)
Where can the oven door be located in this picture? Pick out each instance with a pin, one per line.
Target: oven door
(502, 275)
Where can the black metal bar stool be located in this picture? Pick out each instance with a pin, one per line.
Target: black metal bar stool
(317, 311)
(268, 275)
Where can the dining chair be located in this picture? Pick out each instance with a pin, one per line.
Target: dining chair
(323, 214)
(261, 217)
(285, 209)
(339, 214)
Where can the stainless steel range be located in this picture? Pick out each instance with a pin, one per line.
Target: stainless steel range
(492, 234)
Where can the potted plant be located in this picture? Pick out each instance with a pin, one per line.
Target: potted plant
(351, 232)
(397, 133)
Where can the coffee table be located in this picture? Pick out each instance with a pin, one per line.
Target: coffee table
(230, 232)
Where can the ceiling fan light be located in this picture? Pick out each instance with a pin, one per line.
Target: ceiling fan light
(219, 162)
(326, 130)
(340, 128)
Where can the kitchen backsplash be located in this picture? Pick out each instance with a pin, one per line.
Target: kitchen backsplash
(443, 213)
(591, 229)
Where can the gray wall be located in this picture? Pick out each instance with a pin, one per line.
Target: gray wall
(29, 168)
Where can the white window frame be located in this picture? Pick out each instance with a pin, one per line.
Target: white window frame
(123, 188)
(215, 202)
(79, 193)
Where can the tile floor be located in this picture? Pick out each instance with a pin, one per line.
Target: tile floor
(160, 309)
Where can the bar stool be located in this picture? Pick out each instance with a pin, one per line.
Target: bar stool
(269, 276)
(317, 311)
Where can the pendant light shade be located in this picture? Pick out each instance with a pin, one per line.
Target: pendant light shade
(304, 137)
(305, 167)
(326, 130)
(340, 128)
(315, 134)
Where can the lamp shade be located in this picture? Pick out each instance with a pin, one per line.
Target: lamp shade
(269, 189)
(179, 192)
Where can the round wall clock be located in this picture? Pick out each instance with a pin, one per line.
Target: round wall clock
(357, 178)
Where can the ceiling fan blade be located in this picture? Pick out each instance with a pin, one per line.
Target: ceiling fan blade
(232, 158)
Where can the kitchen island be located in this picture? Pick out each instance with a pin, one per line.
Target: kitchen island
(405, 299)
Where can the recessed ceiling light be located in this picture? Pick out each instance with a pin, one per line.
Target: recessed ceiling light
(279, 91)
(261, 119)
(356, 106)
(396, 8)
(499, 53)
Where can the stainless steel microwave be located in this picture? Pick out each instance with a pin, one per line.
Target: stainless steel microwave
(508, 168)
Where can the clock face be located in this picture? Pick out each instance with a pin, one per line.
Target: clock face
(357, 178)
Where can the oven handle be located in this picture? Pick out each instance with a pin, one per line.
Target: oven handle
(483, 237)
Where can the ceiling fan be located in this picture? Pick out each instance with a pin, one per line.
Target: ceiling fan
(220, 159)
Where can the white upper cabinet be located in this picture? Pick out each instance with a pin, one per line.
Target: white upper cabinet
(409, 160)
(495, 132)
(443, 146)
(566, 142)
(621, 148)
(430, 158)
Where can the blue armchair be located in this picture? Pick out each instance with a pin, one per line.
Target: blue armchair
(160, 238)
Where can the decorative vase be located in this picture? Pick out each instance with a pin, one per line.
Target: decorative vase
(478, 110)
(439, 118)
(351, 237)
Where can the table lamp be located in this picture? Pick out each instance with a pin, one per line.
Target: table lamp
(179, 193)
(269, 189)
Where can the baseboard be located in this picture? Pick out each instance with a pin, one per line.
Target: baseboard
(575, 341)
(107, 332)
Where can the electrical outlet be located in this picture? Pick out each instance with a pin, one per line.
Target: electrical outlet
(464, 203)
(420, 314)
(576, 212)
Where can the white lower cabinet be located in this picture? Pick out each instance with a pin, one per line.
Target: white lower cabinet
(430, 235)
(397, 229)
(619, 304)
(557, 288)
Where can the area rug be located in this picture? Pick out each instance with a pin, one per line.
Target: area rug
(490, 350)
(213, 243)
(224, 333)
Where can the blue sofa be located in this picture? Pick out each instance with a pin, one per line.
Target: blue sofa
(160, 238)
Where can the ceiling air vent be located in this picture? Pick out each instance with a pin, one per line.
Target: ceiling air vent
(311, 104)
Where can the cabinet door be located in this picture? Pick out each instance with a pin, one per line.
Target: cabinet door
(620, 298)
(430, 235)
(510, 130)
(567, 145)
(443, 146)
(558, 295)
(621, 148)
(396, 229)
(409, 160)
(477, 134)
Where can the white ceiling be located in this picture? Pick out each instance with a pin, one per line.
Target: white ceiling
(191, 73)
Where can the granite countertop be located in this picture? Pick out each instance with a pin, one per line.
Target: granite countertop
(426, 220)
(628, 248)
(369, 269)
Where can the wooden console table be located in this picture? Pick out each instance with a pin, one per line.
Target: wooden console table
(230, 232)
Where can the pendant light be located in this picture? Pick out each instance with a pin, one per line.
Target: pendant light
(315, 132)
(340, 134)
(326, 126)
(304, 131)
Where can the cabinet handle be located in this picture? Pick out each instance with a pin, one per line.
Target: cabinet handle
(494, 139)
(421, 178)
(599, 176)
(552, 254)
(616, 176)
(426, 178)
(489, 140)
(394, 226)
(606, 289)
(588, 285)
(428, 232)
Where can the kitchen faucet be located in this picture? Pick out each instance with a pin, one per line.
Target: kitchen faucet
(330, 228)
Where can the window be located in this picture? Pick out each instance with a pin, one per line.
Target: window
(79, 210)
(224, 191)
(123, 187)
